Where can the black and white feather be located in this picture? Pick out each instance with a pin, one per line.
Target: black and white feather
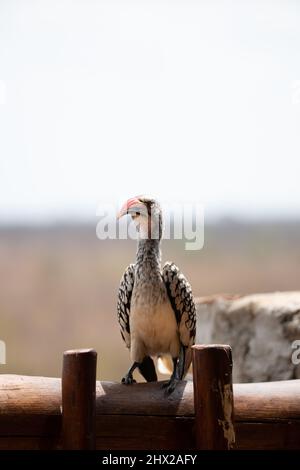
(123, 305)
(181, 298)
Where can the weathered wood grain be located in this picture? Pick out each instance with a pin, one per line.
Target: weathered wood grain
(145, 432)
(28, 443)
(29, 395)
(144, 399)
(284, 435)
(23, 424)
(79, 400)
(252, 402)
(267, 415)
(179, 435)
(213, 397)
(267, 401)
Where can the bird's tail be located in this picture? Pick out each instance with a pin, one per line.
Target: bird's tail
(147, 369)
(165, 364)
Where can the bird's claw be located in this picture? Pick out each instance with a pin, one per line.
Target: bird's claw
(166, 384)
(128, 380)
(170, 386)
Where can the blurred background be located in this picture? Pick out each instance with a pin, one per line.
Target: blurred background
(102, 100)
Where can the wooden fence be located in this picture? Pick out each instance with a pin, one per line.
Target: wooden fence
(79, 413)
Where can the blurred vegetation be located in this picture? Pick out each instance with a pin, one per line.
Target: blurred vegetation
(58, 285)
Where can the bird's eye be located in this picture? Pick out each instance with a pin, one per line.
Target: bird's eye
(137, 214)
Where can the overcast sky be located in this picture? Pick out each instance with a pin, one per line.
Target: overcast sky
(186, 100)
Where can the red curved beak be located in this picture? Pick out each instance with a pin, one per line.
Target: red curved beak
(128, 207)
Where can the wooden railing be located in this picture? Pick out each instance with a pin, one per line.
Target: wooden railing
(80, 413)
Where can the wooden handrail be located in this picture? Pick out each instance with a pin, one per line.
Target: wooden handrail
(34, 414)
(41, 396)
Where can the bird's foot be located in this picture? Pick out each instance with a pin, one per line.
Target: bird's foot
(128, 379)
(170, 386)
(166, 383)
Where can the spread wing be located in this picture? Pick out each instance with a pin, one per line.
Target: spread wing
(124, 300)
(182, 301)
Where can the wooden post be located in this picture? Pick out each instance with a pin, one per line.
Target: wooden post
(213, 397)
(79, 399)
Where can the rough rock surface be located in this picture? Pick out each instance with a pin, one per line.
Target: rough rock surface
(260, 329)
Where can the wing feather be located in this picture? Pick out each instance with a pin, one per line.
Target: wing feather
(124, 300)
(182, 301)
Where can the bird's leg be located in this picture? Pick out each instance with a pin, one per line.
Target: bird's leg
(177, 372)
(166, 384)
(128, 378)
(181, 362)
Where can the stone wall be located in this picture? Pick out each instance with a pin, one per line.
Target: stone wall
(260, 329)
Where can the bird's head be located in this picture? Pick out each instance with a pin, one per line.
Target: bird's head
(146, 214)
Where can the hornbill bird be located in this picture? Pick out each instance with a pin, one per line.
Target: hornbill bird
(156, 309)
